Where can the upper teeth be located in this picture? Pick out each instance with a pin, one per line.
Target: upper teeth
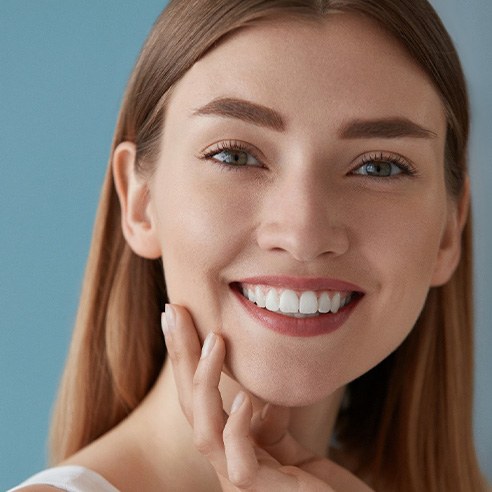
(289, 302)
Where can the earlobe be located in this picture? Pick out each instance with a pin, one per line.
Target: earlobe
(450, 248)
(137, 223)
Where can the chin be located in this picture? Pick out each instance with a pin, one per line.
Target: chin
(288, 391)
(295, 400)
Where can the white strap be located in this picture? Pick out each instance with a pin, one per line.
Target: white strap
(70, 478)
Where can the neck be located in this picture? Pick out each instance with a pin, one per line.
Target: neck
(165, 436)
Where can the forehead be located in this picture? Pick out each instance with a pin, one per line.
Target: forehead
(344, 67)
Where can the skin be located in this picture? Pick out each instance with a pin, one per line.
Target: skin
(303, 214)
(302, 211)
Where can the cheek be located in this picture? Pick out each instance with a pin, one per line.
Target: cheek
(203, 229)
(400, 249)
(403, 243)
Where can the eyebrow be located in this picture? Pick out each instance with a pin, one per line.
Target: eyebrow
(257, 114)
(396, 127)
(230, 107)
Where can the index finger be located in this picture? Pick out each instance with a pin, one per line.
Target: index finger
(184, 349)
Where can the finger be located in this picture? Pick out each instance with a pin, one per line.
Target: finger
(270, 429)
(208, 415)
(184, 350)
(270, 425)
(282, 479)
(338, 477)
(307, 482)
(242, 464)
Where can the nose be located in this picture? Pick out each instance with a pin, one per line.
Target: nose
(303, 216)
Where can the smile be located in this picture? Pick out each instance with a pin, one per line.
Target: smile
(295, 311)
(296, 304)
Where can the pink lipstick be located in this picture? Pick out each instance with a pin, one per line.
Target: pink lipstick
(320, 324)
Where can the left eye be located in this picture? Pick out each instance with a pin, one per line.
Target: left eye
(379, 169)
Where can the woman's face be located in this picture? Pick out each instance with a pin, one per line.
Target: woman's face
(347, 185)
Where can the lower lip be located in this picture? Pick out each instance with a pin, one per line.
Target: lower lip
(297, 327)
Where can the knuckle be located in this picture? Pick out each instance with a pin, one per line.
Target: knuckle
(198, 380)
(241, 480)
(177, 354)
(203, 444)
(228, 433)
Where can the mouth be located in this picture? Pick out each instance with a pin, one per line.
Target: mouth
(297, 312)
(298, 304)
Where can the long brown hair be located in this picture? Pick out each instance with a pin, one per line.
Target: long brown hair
(416, 435)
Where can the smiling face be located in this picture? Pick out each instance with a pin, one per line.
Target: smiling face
(346, 182)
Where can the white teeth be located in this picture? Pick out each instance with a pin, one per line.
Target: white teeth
(335, 303)
(260, 297)
(251, 295)
(272, 300)
(289, 302)
(324, 303)
(308, 304)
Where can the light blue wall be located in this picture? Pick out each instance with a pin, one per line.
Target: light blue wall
(63, 67)
(469, 24)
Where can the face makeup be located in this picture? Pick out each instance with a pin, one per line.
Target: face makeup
(329, 221)
(298, 307)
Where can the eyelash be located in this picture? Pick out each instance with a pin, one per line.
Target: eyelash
(381, 157)
(232, 146)
(375, 157)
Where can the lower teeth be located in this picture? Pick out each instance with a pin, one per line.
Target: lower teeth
(296, 315)
(299, 315)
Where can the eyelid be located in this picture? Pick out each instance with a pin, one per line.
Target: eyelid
(222, 145)
(406, 165)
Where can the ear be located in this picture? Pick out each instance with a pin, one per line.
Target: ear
(137, 222)
(450, 248)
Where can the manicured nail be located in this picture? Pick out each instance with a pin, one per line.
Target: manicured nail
(264, 411)
(165, 328)
(238, 401)
(208, 345)
(170, 317)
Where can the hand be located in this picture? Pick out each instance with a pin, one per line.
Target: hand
(247, 452)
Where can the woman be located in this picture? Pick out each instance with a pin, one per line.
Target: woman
(317, 298)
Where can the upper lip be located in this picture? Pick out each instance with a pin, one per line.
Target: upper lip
(303, 283)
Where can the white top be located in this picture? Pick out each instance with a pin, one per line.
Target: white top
(71, 478)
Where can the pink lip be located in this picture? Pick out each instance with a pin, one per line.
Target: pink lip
(298, 283)
(296, 327)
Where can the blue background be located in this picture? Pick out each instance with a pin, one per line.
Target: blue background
(63, 68)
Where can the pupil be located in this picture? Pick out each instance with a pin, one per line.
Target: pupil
(379, 169)
(236, 157)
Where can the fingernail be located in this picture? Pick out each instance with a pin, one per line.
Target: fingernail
(165, 328)
(208, 345)
(238, 401)
(264, 411)
(170, 317)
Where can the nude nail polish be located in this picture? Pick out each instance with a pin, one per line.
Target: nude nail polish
(238, 401)
(170, 317)
(208, 345)
(164, 325)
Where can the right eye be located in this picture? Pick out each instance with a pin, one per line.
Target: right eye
(232, 155)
